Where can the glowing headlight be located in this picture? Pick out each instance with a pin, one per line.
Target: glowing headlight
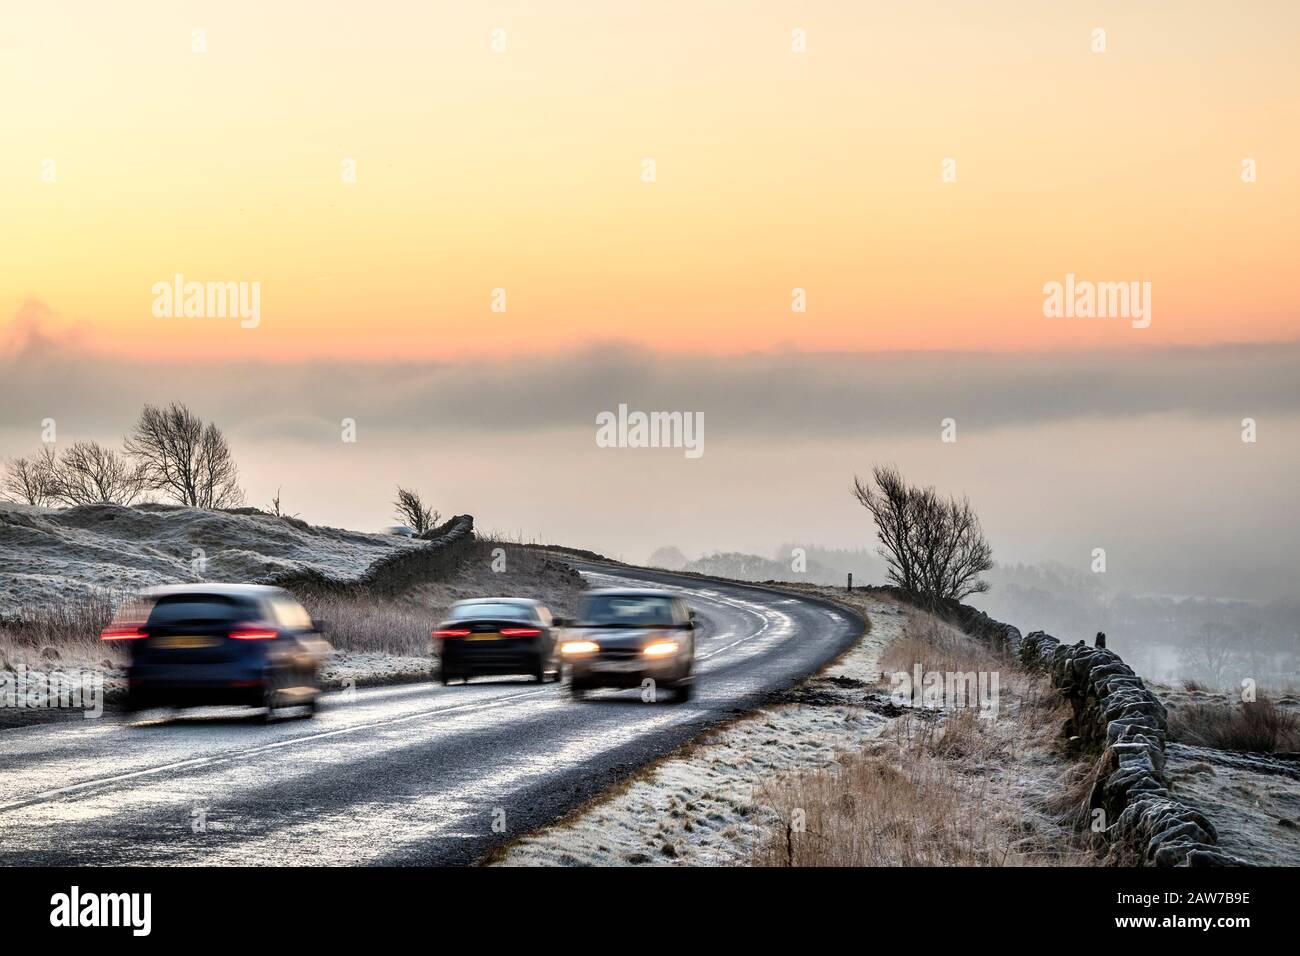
(579, 647)
(660, 648)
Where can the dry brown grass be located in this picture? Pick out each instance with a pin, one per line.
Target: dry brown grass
(872, 812)
(950, 788)
(360, 621)
(363, 621)
(60, 633)
(1259, 726)
(937, 646)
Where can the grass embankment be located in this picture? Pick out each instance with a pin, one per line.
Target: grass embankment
(945, 787)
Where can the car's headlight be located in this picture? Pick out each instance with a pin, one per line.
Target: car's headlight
(660, 649)
(579, 647)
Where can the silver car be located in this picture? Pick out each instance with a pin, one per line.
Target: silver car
(623, 637)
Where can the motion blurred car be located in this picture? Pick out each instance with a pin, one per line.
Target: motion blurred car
(220, 644)
(497, 636)
(623, 636)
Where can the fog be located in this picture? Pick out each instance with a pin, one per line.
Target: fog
(1139, 453)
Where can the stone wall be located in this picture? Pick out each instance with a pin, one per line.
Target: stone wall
(1125, 723)
(1116, 714)
(446, 546)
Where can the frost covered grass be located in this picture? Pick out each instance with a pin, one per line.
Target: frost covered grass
(1255, 806)
(50, 555)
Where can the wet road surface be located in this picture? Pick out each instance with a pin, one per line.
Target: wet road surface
(415, 774)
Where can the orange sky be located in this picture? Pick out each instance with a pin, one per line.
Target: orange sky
(522, 170)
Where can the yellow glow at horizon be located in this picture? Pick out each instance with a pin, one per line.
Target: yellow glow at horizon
(775, 170)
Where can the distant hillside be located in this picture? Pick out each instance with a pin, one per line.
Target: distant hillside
(817, 565)
(752, 567)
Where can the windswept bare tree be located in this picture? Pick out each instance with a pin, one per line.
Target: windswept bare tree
(412, 512)
(88, 473)
(895, 518)
(934, 547)
(184, 458)
(31, 480)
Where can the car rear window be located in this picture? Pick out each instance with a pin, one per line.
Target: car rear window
(630, 610)
(494, 610)
(196, 608)
(290, 613)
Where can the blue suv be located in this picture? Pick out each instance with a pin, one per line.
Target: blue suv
(199, 644)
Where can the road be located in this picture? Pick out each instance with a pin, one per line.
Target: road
(406, 775)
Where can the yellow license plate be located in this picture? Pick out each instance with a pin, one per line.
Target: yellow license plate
(492, 636)
(185, 641)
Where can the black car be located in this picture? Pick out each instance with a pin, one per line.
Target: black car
(497, 636)
(199, 644)
(623, 637)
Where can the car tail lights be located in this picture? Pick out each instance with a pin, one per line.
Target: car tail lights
(122, 632)
(253, 632)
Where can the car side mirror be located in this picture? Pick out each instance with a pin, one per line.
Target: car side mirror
(688, 626)
(692, 612)
(560, 622)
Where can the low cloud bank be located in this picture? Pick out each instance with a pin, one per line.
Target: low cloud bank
(782, 396)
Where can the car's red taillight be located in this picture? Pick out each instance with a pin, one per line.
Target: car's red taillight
(520, 631)
(253, 634)
(452, 632)
(122, 632)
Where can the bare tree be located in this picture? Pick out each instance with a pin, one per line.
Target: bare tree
(31, 480)
(88, 473)
(934, 547)
(891, 509)
(277, 509)
(1211, 653)
(412, 512)
(186, 459)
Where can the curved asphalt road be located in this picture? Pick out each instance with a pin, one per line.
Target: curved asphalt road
(408, 775)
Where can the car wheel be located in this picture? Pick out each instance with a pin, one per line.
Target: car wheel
(577, 691)
(683, 692)
(271, 696)
(313, 703)
(446, 677)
